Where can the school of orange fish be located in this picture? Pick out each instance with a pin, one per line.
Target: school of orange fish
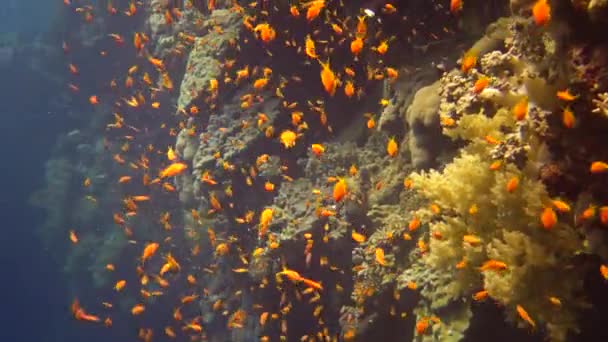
(153, 168)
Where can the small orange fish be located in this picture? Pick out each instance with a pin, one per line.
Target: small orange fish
(568, 119)
(565, 95)
(149, 251)
(422, 326)
(288, 138)
(512, 184)
(268, 186)
(317, 149)
(455, 6)
(173, 170)
(414, 224)
(481, 84)
(94, 100)
(359, 238)
(356, 46)
(391, 147)
(481, 295)
(469, 60)
(73, 237)
(604, 271)
(340, 190)
(604, 215)
(561, 206)
(598, 167)
(548, 218)
(328, 78)
(314, 9)
(349, 89)
(380, 257)
(120, 285)
(541, 11)
(523, 314)
(493, 265)
(520, 110)
(137, 309)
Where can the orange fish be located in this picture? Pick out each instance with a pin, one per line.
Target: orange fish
(548, 218)
(481, 295)
(340, 190)
(414, 224)
(317, 149)
(314, 9)
(493, 265)
(422, 326)
(359, 238)
(541, 11)
(80, 314)
(604, 271)
(523, 314)
(520, 110)
(481, 84)
(512, 184)
(380, 256)
(149, 251)
(455, 6)
(173, 170)
(309, 48)
(469, 60)
(356, 46)
(565, 95)
(328, 78)
(73, 237)
(288, 138)
(391, 147)
(265, 220)
(598, 167)
(568, 119)
(137, 309)
(120, 285)
(93, 100)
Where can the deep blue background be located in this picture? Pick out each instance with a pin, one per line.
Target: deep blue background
(32, 291)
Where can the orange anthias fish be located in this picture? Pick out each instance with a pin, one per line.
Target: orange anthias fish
(81, 315)
(379, 253)
(494, 265)
(317, 149)
(149, 251)
(391, 147)
(548, 218)
(455, 6)
(314, 9)
(541, 11)
(565, 95)
(598, 167)
(469, 60)
(480, 84)
(265, 220)
(520, 110)
(288, 138)
(523, 314)
(173, 170)
(340, 190)
(328, 78)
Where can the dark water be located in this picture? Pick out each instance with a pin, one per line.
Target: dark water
(32, 290)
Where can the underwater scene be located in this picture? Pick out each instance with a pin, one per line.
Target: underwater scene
(317, 170)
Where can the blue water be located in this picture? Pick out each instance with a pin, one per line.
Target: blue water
(32, 293)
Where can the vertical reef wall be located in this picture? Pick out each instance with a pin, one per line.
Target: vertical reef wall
(469, 175)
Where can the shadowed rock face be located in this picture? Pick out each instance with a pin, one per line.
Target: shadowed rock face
(198, 4)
